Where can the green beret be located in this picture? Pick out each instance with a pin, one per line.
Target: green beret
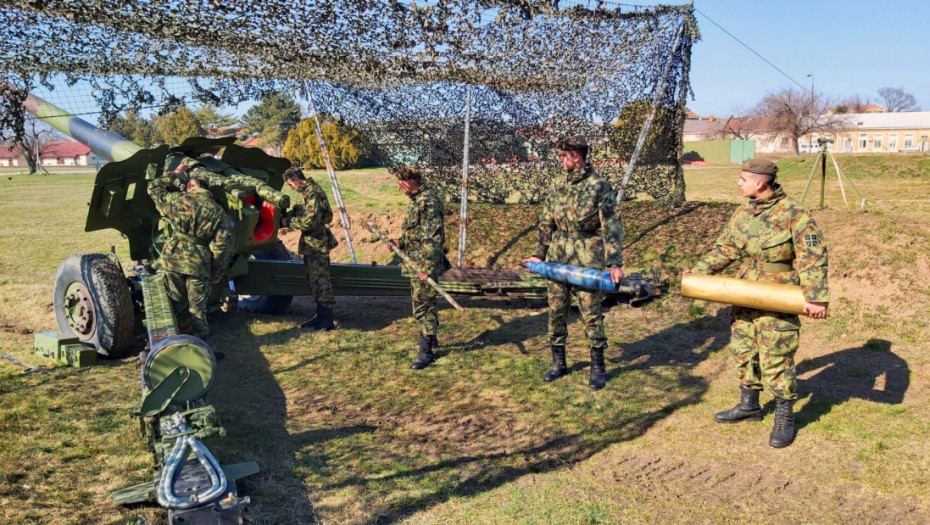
(576, 143)
(408, 173)
(761, 167)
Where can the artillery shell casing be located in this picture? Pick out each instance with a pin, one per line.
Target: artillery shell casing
(783, 298)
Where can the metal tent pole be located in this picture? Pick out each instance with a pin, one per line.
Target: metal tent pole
(647, 125)
(463, 212)
(337, 194)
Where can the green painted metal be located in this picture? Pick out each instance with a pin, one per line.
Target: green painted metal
(159, 317)
(719, 151)
(156, 400)
(275, 277)
(741, 150)
(180, 352)
(104, 143)
(713, 151)
(64, 349)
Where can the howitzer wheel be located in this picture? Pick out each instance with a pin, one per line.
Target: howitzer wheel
(92, 301)
(268, 304)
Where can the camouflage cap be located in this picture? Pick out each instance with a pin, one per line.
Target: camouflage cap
(761, 167)
(408, 173)
(575, 143)
(294, 173)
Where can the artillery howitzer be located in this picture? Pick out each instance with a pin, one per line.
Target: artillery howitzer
(96, 301)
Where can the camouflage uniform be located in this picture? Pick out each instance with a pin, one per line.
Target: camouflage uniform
(195, 252)
(310, 215)
(423, 239)
(777, 241)
(579, 226)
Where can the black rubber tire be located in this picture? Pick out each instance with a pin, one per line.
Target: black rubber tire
(268, 304)
(112, 332)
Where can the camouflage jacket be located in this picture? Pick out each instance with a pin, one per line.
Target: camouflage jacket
(311, 214)
(579, 224)
(777, 241)
(423, 235)
(197, 240)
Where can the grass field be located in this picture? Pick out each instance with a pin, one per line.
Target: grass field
(344, 432)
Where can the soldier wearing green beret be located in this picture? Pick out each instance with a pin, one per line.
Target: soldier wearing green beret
(195, 252)
(423, 238)
(776, 241)
(579, 225)
(311, 214)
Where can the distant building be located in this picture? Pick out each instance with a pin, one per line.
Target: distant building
(65, 153)
(703, 128)
(877, 133)
(10, 157)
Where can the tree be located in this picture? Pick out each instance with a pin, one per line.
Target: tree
(272, 118)
(214, 122)
(174, 127)
(38, 135)
(853, 104)
(895, 99)
(134, 127)
(795, 112)
(347, 147)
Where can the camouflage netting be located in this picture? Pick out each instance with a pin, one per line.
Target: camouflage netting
(400, 73)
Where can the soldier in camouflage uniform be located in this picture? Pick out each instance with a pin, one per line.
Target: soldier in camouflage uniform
(776, 241)
(311, 214)
(233, 181)
(579, 225)
(423, 239)
(194, 255)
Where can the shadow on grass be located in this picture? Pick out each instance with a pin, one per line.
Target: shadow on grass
(252, 408)
(687, 208)
(852, 373)
(396, 442)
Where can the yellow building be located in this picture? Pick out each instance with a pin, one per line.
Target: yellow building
(876, 133)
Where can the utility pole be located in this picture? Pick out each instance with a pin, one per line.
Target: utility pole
(810, 141)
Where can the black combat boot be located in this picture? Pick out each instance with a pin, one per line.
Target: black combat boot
(598, 371)
(323, 322)
(748, 408)
(783, 431)
(425, 352)
(559, 368)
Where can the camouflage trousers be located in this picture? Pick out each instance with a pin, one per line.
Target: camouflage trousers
(589, 305)
(316, 264)
(425, 309)
(189, 296)
(763, 345)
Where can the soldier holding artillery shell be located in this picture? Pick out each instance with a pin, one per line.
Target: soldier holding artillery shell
(776, 241)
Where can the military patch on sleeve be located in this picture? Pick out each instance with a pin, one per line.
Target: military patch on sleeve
(811, 240)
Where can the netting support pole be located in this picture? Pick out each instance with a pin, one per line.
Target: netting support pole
(337, 194)
(653, 109)
(463, 213)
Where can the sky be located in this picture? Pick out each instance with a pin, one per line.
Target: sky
(849, 46)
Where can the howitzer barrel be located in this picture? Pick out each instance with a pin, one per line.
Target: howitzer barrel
(783, 298)
(104, 143)
(590, 278)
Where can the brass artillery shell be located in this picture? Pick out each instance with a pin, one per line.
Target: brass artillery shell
(783, 298)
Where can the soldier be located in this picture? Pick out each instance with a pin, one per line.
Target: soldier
(233, 180)
(579, 225)
(776, 241)
(310, 214)
(423, 239)
(194, 255)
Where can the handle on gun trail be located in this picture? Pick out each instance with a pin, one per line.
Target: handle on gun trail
(373, 228)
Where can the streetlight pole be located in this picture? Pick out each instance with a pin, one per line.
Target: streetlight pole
(810, 141)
